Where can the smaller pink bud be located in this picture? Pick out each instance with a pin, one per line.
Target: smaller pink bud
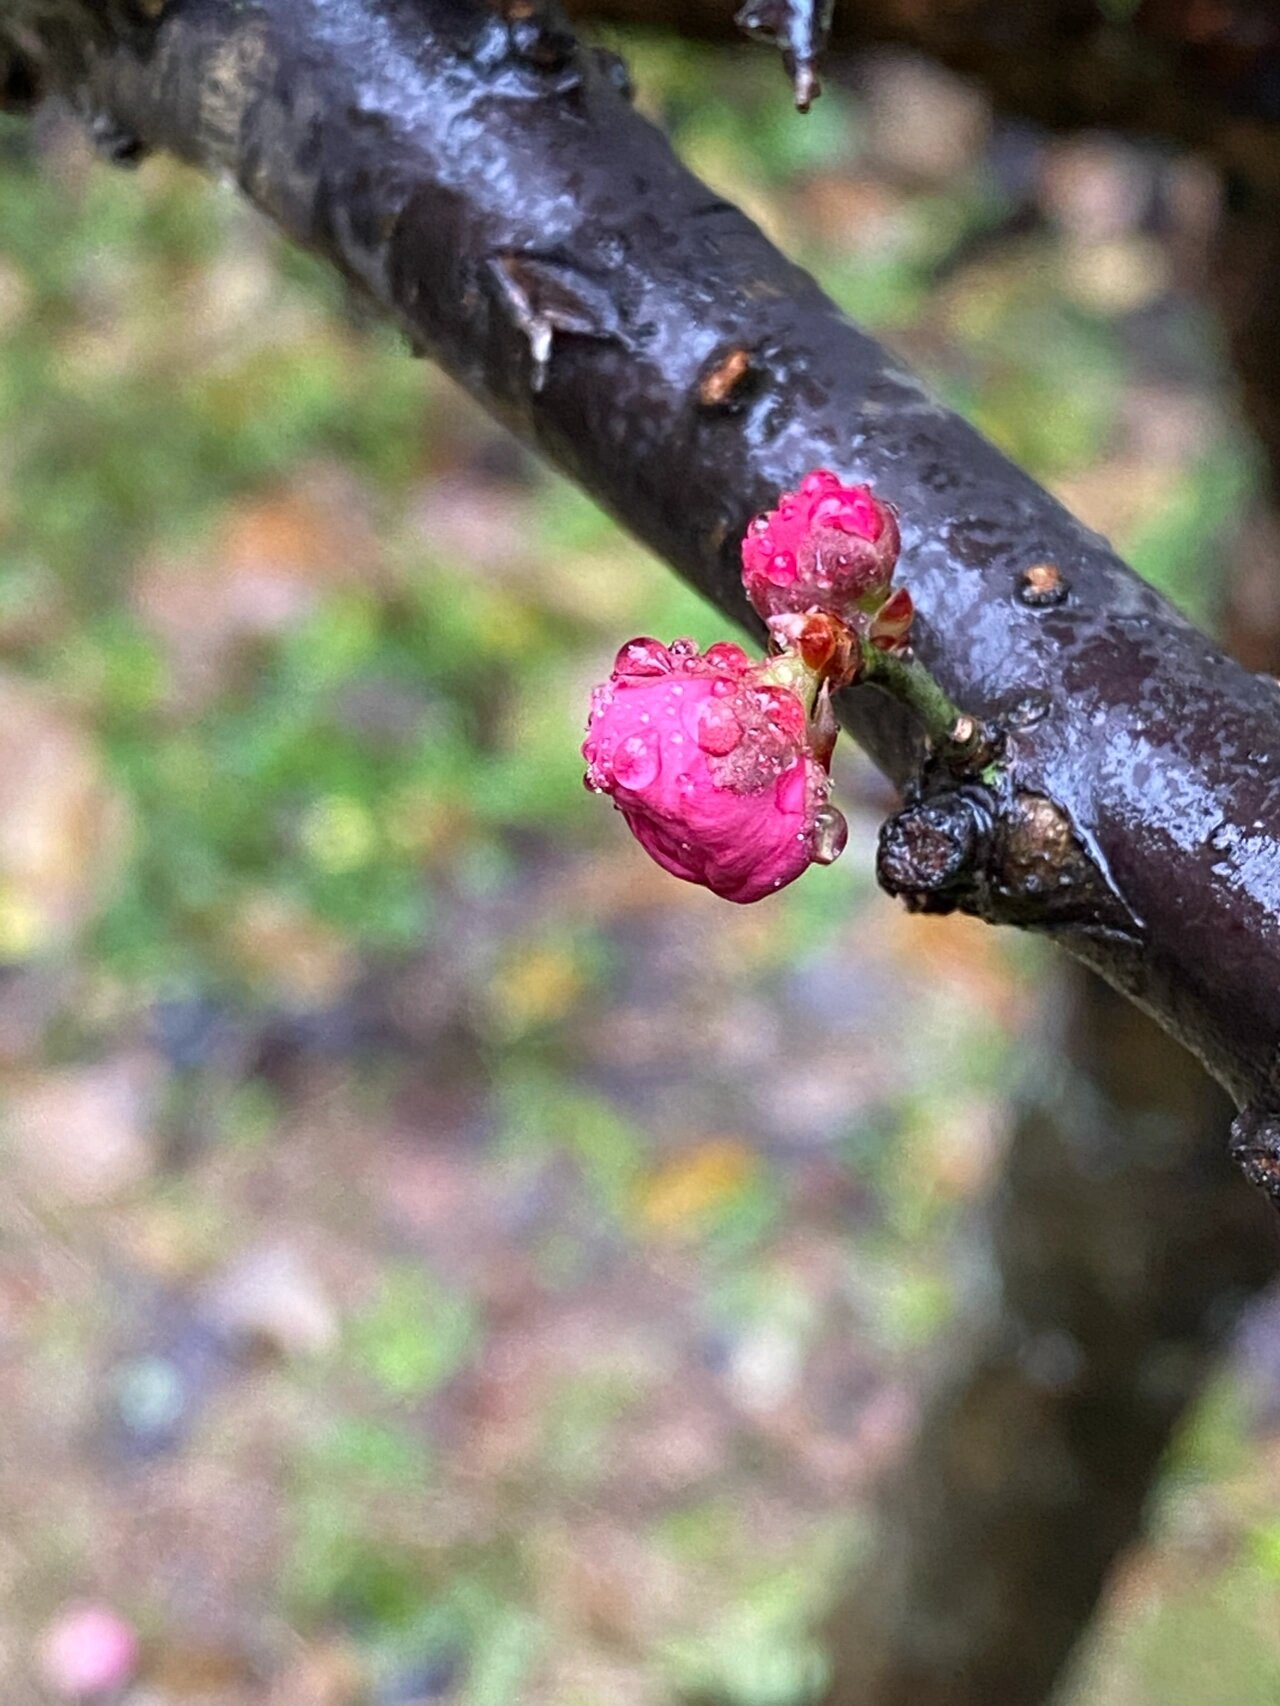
(712, 764)
(827, 546)
(87, 1651)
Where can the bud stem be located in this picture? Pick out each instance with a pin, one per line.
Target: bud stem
(959, 739)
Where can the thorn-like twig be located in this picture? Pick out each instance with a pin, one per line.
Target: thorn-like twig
(800, 29)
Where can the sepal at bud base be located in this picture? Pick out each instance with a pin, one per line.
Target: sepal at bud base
(826, 645)
(890, 629)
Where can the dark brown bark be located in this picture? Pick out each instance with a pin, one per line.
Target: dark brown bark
(1199, 75)
(489, 184)
(1123, 1248)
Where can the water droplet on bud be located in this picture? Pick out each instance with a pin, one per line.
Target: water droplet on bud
(718, 730)
(724, 655)
(642, 657)
(636, 762)
(830, 835)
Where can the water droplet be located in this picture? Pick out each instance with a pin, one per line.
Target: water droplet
(636, 762)
(718, 730)
(724, 655)
(685, 648)
(643, 657)
(830, 835)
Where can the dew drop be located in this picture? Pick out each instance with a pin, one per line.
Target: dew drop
(718, 730)
(643, 657)
(636, 762)
(830, 835)
(781, 569)
(724, 655)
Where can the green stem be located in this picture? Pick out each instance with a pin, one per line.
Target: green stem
(955, 736)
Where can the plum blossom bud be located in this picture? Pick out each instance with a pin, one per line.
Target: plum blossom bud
(826, 546)
(709, 758)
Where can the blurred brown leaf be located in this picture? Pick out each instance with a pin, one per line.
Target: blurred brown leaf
(62, 827)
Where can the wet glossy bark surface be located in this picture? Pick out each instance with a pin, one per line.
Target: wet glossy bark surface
(490, 185)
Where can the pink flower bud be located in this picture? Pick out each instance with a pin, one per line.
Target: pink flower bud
(827, 546)
(712, 766)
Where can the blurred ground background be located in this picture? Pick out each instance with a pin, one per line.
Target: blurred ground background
(442, 1259)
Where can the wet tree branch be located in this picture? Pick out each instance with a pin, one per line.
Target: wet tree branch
(485, 179)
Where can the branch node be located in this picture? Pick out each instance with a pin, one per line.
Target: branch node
(728, 378)
(544, 296)
(521, 37)
(929, 852)
(1042, 586)
(1011, 857)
